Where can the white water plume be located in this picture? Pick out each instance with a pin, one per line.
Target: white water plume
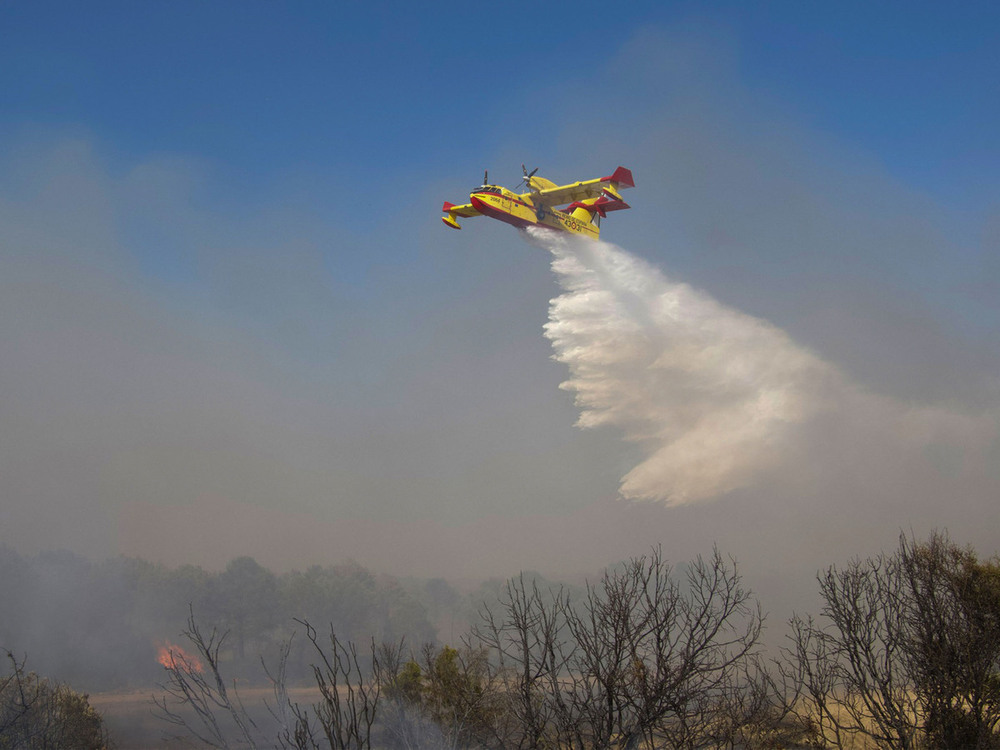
(715, 398)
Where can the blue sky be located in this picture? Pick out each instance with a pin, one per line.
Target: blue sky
(328, 89)
(227, 285)
(343, 110)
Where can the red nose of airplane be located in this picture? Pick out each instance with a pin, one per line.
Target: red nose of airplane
(478, 203)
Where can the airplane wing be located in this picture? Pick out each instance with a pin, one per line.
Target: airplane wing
(578, 191)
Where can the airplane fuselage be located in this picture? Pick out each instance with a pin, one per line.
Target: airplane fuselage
(507, 206)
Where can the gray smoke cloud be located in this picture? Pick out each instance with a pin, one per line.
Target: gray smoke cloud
(719, 400)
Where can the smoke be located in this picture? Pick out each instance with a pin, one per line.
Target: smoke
(717, 400)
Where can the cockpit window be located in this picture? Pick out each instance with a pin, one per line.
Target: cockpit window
(486, 189)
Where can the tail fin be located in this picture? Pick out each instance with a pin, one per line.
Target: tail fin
(450, 219)
(622, 176)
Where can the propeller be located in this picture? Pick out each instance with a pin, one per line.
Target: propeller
(526, 181)
(486, 177)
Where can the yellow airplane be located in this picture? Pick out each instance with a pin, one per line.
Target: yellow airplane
(589, 201)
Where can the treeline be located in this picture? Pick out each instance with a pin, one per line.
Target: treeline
(101, 625)
(903, 655)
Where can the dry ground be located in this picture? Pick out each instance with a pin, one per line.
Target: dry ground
(130, 719)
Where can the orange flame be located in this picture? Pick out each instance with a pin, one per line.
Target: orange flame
(174, 657)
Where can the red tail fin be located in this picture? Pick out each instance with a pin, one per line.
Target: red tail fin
(622, 176)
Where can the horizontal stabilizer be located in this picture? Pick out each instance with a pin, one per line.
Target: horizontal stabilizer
(601, 206)
(613, 205)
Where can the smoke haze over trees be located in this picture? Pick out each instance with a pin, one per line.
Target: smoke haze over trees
(100, 625)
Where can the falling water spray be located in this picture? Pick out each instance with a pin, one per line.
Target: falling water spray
(712, 396)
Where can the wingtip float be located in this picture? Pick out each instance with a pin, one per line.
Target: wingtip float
(584, 203)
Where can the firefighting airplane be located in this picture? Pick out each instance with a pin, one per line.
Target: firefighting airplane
(589, 201)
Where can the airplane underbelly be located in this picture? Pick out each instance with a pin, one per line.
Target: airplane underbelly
(520, 214)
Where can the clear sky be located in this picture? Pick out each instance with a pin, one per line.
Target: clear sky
(232, 323)
(266, 89)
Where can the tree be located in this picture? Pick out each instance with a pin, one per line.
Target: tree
(954, 640)
(37, 714)
(346, 712)
(199, 700)
(404, 722)
(908, 652)
(526, 633)
(644, 659)
(248, 600)
(443, 701)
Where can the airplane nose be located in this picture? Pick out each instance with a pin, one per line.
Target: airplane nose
(478, 203)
